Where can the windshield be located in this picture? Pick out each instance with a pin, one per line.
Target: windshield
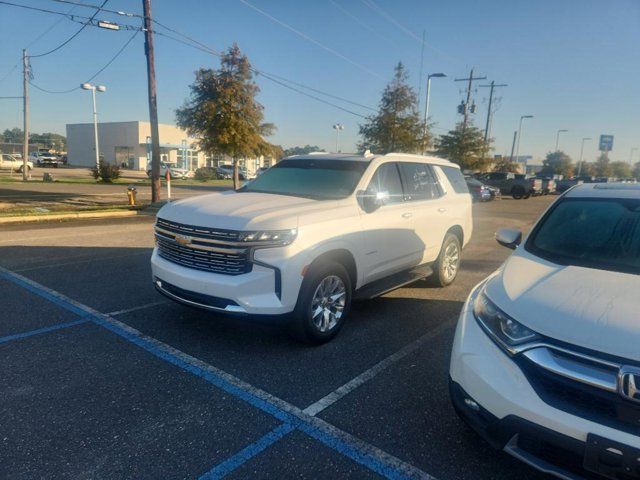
(593, 233)
(310, 178)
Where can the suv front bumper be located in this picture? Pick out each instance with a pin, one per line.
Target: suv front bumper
(492, 394)
(252, 293)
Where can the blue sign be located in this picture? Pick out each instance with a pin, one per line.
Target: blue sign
(606, 143)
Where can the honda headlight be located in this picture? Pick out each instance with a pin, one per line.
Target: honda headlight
(504, 330)
(269, 237)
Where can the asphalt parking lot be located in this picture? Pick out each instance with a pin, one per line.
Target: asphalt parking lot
(103, 378)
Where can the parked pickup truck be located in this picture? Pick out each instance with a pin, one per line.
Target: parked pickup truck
(45, 159)
(517, 185)
(11, 163)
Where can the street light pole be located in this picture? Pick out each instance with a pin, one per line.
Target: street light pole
(520, 134)
(426, 104)
(558, 137)
(93, 88)
(581, 152)
(337, 127)
(631, 154)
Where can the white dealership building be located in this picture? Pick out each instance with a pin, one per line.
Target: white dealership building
(128, 144)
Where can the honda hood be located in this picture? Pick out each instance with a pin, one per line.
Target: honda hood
(595, 309)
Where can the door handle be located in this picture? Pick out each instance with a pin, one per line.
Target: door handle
(407, 215)
(442, 210)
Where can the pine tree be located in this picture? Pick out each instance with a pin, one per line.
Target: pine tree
(222, 113)
(466, 147)
(397, 126)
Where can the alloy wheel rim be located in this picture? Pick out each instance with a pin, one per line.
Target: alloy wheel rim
(450, 261)
(328, 303)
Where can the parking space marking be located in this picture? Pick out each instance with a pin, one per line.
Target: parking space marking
(342, 442)
(139, 307)
(232, 463)
(369, 374)
(39, 331)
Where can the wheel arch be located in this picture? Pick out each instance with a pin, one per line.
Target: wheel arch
(458, 232)
(342, 256)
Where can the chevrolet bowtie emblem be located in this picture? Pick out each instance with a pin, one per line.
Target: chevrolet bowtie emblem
(182, 240)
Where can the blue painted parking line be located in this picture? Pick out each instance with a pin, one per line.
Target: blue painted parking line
(342, 442)
(39, 331)
(232, 463)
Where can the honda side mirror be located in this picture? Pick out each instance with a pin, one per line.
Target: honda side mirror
(509, 237)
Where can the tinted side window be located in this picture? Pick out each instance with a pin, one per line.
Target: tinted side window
(387, 179)
(456, 179)
(419, 180)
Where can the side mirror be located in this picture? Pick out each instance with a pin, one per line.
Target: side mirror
(370, 202)
(509, 237)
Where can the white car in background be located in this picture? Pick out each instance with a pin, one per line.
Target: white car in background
(311, 233)
(13, 164)
(546, 356)
(174, 171)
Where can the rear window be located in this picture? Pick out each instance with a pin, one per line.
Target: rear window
(594, 233)
(456, 179)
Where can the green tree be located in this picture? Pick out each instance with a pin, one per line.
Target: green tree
(397, 126)
(49, 140)
(15, 135)
(222, 112)
(602, 167)
(620, 169)
(466, 147)
(504, 164)
(636, 170)
(301, 150)
(558, 162)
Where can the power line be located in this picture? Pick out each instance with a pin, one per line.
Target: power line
(72, 36)
(376, 8)
(309, 39)
(118, 53)
(96, 7)
(363, 24)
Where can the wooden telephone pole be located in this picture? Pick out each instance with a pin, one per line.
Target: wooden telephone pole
(25, 112)
(467, 103)
(153, 102)
(492, 85)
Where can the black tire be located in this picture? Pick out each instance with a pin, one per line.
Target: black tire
(22, 168)
(303, 326)
(441, 276)
(526, 195)
(517, 193)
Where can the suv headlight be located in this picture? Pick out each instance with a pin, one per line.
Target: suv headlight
(504, 330)
(269, 237)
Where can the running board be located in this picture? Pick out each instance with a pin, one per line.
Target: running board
(392, 282)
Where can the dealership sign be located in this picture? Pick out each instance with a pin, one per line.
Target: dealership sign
(606, 143)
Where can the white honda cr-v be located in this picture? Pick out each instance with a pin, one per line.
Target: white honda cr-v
(546, 357)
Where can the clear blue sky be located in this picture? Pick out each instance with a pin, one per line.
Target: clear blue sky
(574, 64)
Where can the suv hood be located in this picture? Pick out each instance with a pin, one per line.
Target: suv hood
(231, 210)
(595, 309)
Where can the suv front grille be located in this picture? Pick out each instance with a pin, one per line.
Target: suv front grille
(201, 248)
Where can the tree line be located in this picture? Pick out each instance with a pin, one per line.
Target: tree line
(48, 139)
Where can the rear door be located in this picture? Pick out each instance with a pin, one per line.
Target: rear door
(391, 243)
(428, 205)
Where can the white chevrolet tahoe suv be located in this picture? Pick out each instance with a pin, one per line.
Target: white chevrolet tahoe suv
(546, 357)
(313, 233)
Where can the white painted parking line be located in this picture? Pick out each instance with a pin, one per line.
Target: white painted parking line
(369, 374)
(139, 307)
(342, 442)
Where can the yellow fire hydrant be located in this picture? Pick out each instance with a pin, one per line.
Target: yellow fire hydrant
(131, 193)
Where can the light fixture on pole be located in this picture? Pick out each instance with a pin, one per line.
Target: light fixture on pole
(519, 134)
(93, 88)
(558, 137)
(426, 103)
(338, 127)
(581, 152)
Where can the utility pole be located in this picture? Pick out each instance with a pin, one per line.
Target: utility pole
(25, 112)
(153, 102)
(513, 145)
(466, 108)
(492, 85)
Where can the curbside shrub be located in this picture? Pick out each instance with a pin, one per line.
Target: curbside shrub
(206, 173)
(105, 172)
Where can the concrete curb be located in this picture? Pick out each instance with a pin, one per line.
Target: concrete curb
(67, 216)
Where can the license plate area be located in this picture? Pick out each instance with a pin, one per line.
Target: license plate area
(611, 459)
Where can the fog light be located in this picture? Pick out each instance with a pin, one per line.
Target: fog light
(159, 283)
(472, 404)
